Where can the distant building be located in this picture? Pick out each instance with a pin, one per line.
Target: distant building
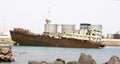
(116, 36)
(113, 36)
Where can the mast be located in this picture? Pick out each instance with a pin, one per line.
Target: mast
(50, 9)
(46, 29)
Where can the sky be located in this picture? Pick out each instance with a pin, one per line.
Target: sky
(31, 14)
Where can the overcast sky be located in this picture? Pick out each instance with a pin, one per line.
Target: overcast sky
(31, 14)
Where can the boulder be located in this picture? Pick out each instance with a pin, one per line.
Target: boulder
(6, 55)
(86, 59)
(6, 58)
(38, 62)
(59, 61)
(113, 60)
(5, 51)
(72, 62)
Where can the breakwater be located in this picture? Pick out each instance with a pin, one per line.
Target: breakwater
(5, 54)
(8, 40)
(111, 42)
(83, 59)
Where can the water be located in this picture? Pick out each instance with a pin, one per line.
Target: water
(23, 54)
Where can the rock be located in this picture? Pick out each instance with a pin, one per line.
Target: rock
(2, 56)
(38, 62)
(72, 62)
(59, 61)
(5, 51)
(86, 59)
(9, 63)
(113, 60)
(6, 55)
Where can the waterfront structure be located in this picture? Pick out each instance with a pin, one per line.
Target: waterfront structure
(112, 39)
(5, 38)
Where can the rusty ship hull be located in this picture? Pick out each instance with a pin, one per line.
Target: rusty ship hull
(24, 39)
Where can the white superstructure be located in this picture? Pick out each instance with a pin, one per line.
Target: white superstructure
(86, 31)
(93, 33)
(66, 27)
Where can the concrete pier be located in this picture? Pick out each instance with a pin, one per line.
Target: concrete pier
(111, 42)
(6, 40)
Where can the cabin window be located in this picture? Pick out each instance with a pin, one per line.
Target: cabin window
(98, 34)
(93, 38)
(95, 30)
(98, 31)
(86, 33)
(93, 34)
(85, 40)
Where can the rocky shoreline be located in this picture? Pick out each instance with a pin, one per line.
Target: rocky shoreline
(6, 55)
(83, 59)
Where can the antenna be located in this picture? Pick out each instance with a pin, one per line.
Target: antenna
(49, 12)
(49, 9)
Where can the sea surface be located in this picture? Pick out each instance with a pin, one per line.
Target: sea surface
(23, 54)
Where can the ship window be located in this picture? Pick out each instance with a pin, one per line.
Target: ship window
(98, 31)
(95, 30)
(85, 40)
(93, 34)
(86, 33)
(98, 35)
(93, 38)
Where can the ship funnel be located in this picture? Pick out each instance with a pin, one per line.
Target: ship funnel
(48, 21)
(47, 26)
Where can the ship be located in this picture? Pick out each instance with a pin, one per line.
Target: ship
(87, 36)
